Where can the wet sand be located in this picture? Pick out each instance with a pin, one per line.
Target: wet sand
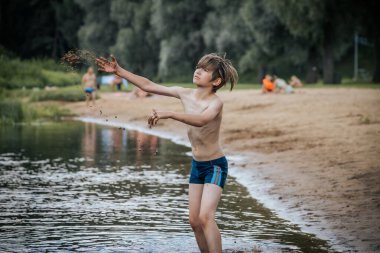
(318, 151)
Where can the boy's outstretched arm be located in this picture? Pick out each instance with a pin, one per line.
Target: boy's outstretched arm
(197, 120)
(139, 81)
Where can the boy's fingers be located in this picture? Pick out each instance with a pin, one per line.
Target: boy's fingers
(104, 60)
(100, 60)
(150, 120)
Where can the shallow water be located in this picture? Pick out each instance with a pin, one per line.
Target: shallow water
(73, 186)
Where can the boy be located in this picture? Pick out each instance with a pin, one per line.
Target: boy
(89, 85)
(203, 114)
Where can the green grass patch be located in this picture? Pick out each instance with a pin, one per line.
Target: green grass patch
(58, 95)
(68, 94)
(35, 73)
(11, 111)
(14, 111)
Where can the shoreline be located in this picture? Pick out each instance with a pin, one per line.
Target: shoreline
(241, 176)
(315, 154)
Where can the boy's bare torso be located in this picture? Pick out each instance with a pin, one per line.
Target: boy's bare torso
(204, 140)
(89, 81)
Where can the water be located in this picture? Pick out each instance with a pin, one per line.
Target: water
(73, 186)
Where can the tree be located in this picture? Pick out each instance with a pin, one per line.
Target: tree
(137, 46)
(272, 46)
(39, 28)
(225, 32)
(177, 25)
(323, 24)
(367, 20)
(98, 31)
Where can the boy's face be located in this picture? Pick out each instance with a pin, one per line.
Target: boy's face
(202, 77)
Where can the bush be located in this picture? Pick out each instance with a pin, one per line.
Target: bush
(15, 73)
(58, 78)
(15, 111)
(59, 95)
(11, 111)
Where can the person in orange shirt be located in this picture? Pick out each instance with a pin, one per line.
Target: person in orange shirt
(268, 85)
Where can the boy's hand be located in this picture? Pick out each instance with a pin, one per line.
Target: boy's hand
(106, 65)
(157, 115)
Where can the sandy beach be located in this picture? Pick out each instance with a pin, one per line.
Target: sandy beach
(319, 151)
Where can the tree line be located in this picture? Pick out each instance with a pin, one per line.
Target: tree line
(163, 39)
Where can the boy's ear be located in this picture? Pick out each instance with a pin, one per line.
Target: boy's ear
(217, 82)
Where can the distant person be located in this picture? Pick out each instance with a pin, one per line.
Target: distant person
(89, 85)
(289, 89)
(117, 81)
(280, 84)
(295, 82)
(267, 84)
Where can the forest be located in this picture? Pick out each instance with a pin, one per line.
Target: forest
(163, 39)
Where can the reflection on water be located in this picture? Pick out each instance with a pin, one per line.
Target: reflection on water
(81, 187)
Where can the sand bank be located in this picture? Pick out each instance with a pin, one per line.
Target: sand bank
(313, 157)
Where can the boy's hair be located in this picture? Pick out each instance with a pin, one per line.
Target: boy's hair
(221, 68)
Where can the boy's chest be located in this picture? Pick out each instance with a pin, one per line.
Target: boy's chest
(194, 106)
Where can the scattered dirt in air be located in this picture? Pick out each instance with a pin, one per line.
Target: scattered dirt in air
(76, 57)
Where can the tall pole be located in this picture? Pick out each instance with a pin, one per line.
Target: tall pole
(356, 56)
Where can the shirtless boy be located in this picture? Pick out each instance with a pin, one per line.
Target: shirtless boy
(89, 85)
(203, 114)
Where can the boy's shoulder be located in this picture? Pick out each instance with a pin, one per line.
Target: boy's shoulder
(217, 100)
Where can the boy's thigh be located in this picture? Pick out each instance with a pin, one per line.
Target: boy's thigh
(195, 197)
(210, 199)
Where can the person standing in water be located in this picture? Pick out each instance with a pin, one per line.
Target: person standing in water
(89, 85)
(203, 115)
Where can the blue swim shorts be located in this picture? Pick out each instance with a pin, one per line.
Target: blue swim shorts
(209, 172)
(89, 90)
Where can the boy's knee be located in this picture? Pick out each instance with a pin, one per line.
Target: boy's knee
(205, 218)
(194, 222)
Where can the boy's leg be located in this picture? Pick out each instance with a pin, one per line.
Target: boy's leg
(87, 98)
(210, 199)
(195, 197)
(93, 96)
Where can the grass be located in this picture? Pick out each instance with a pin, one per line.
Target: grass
(58, 95)
(34, 73)
(14, 111)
